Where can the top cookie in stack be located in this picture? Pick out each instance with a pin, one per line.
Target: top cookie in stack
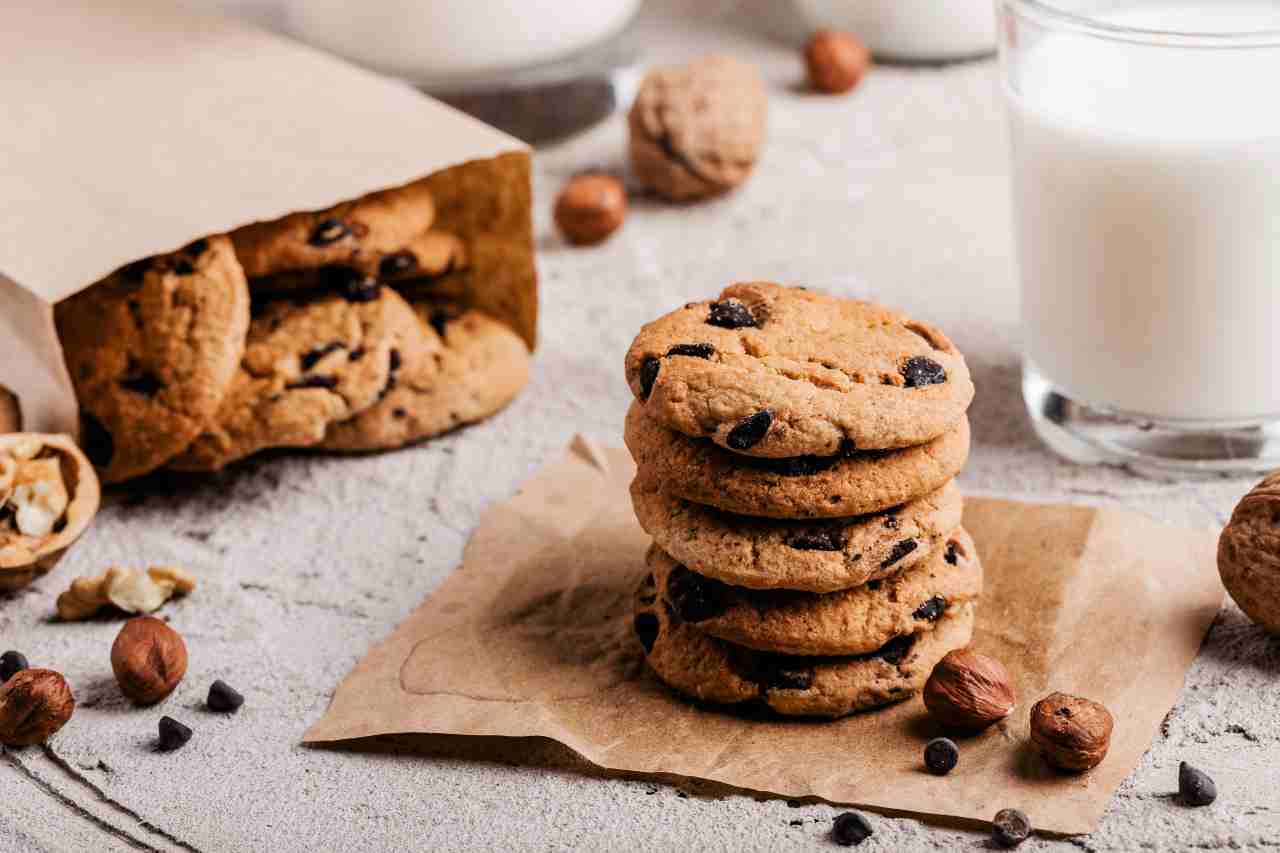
(795, 453)
(332, 328)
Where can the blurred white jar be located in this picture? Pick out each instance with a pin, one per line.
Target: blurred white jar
(434, 40)
(912, 30)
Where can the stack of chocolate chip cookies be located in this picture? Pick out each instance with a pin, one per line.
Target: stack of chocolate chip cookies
(795, 456)
(337, 329)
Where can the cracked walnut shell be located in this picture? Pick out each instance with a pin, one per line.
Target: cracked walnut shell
(1249, 554)
(697, 129)
(48, 496)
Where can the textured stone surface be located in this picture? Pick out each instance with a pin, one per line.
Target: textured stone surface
(896, 193)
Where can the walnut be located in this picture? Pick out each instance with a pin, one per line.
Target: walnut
(149, 659)
(126, 589)
(1249, 554)
(48, 496)
(969, 691)
(696, 130)
(1071, 733)
(34, 705)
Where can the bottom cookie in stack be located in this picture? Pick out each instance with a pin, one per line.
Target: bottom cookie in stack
(803, 653)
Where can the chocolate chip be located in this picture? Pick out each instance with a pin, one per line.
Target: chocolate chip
(921, 370)
(173, 734)
(697, 598)
(750, 431)
(97, 443)
(648, 375)
(196, 248)
(310, 359)
(313, 382)
(182, 266)
(399, 413)
(952, 555)
(941, 755)
(891, 522)
(1195, 787)
(873, 585)
(850, 829)
(646, 627)
(358, 288)
(731, 314)
(693, 350)
(896, 649)
(1010, 828)
(793, 466)
(817, 540)
(224, 698)
(12, 663)
(900, 550)
(356, 354)
(394, 360)
(397, 263)
(146, 384)
(779, 672)
(329, 231)
(135, 271)
(931, 610)
(441, 317)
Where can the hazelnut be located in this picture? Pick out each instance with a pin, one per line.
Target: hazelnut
(1072, 733)
(836, 61)
(969, 691)
(149, 659)
(34, 705)
(590, 208)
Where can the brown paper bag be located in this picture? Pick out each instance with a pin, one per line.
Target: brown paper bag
(132, 128)
(531, 636)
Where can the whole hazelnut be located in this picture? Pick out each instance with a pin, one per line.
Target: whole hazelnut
(1072, 733)
(34, 705)
(836, 61)
(149, 659)
(590, 208)
(969, 691)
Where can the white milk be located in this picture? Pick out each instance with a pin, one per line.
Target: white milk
(912, 29)
(1147, 195)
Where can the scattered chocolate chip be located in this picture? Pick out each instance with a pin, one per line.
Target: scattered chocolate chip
(313, 382)
(646, 627)
(329, 231)
(1195, 787)
(182, 266)
(731, 314)
(648, 375)
(941, 755)
(310, 359)
(900, 550)
(750, 431)
(1010, 828)
(358, 288)
(693, 350)
(97, 443)
(921, 370)
(146, 384)
(952, 554)
(196, 248)
(173, 734)
(850, 829)
(12, 663)
(397, 263)
(697, 598)
(782, 672)
(896, 649)
(224, 698)
(931, 610)
(817, 540)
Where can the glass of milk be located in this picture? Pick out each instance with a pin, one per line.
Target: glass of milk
(1145, 142)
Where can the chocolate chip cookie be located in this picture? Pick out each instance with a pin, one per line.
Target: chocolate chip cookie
(773, 371)
(475, 368)
(706, 668)
(423, 259)
(847, 484)
(343, 235)
(152, 351)
(307, 364)
(849, 622)
(817, 556)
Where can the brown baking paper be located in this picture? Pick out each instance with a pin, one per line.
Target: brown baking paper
(532, 637)
(132, 128)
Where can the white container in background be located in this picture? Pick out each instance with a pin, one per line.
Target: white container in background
(434, 40)
(1146, 185)
(912, 30)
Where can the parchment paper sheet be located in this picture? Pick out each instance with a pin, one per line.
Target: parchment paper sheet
(133, 127)
(531, 636)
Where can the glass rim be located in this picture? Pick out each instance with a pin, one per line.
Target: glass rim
(1048, 11)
